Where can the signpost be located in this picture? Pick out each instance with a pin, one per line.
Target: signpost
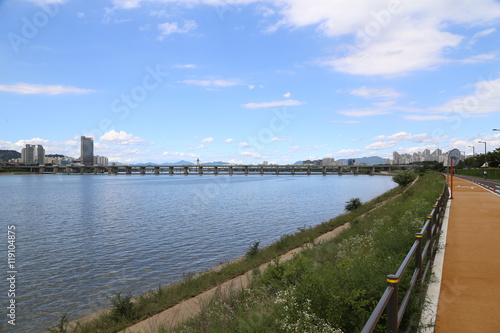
(453, 159)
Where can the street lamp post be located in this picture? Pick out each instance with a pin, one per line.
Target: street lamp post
(485, 162)
(472, 155)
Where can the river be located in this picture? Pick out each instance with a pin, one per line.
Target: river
(80, 239)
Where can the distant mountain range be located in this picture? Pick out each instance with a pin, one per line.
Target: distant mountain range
(6, 155)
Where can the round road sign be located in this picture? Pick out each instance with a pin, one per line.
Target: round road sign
(454, 157)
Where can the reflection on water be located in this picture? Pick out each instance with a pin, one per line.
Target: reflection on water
(81, 239)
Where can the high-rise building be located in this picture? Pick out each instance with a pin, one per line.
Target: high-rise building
(40, 154)
(28, 154)
(87, 151)
(100, 160)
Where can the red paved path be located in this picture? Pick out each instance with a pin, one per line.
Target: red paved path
(469, 300)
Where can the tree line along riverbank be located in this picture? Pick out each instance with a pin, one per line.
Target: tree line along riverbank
(332, 287)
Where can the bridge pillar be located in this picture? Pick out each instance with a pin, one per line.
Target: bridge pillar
(356, 170)
(230, 170)
(41, 170)
(200, 170)
(340, 170)
(246, 169)
(82, 169)
(56, 170)
(95, 169)
(390, 169)
(128, 170)
(293, 170)
(68, 170)
(216, 170)
(324, 170)
(308, 171)
(373, 170)
(171, 170)
(142, 170)
(186, 170)
(157, 170)
(277, 170)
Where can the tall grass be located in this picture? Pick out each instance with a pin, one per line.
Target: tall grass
(334, 286)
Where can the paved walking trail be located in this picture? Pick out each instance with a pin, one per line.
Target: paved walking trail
(469, 300)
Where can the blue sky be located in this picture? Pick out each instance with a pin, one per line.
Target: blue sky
(245, 81)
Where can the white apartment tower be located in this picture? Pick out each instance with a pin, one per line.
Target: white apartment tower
(28, 154)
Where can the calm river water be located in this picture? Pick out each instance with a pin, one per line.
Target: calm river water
(83, 238)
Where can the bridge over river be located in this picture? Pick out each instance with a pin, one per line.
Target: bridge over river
(209, 169)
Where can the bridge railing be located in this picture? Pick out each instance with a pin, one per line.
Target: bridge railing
(422, 252)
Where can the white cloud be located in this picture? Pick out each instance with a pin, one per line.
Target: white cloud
(208, 140)
(376, 92)
(213, 83)
(161, 13)
(418, 117)
(344, 121)
(178, 154)
(404, 136)
(410, 47)
(287, 95)
(381, 145)
(40, 89)
(251, 87)
(479, 58)
(363, 112)
(169, 28)
(80, 14)
(289, 102)
(485, 99)
(122, 138)
(228, 141)
(481, 34)
(252, 154)
(243, 144)
(34, 141)
(47, 2)
(276, 139)
(189, 66)
(349, 152)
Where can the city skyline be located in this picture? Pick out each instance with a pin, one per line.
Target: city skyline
(249, 81)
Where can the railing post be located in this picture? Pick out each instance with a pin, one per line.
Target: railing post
(392, 306)
(429, 233)
(418, 257)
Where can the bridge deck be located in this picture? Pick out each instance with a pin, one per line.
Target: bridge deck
(470, 291)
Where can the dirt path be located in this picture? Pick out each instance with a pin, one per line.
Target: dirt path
(190, 307)
(469, 299)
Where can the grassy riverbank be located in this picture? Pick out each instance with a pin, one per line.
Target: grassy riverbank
(279, 278)
(335, 286)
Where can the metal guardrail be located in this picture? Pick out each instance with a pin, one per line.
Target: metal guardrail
(423, 253)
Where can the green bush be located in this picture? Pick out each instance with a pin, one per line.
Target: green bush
(123, 307)
(353, 204)
(404, 178)
(253, 250)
